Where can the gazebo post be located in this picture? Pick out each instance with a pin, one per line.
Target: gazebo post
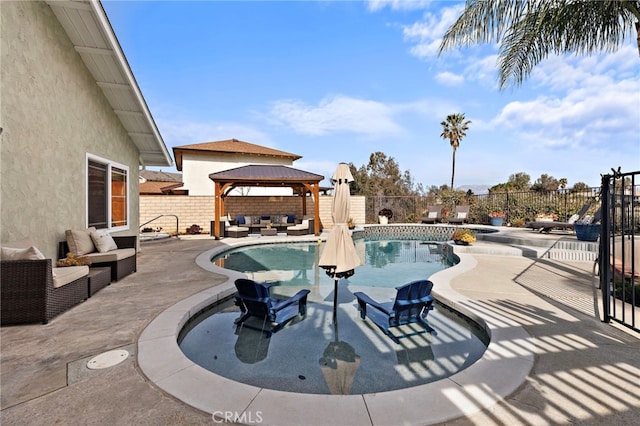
(216, 209)
(316, 213)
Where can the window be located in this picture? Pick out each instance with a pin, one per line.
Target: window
(107, 194)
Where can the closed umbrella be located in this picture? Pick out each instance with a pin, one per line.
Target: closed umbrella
(339, 257)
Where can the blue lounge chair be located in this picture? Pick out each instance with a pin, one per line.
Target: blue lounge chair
(412, 304)
(254, 300)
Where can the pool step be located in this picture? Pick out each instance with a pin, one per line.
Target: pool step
(558, 248)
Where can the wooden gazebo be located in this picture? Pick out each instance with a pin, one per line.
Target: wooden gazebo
(267, 176)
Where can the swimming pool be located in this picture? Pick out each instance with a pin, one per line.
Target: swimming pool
(387, 263)
(314, 355)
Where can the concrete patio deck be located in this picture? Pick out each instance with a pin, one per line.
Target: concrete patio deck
(583, 372)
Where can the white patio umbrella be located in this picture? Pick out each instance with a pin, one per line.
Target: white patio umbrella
(339, 257)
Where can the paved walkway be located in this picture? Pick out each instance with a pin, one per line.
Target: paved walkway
(585, 371)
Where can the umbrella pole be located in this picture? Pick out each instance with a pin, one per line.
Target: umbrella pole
(335, 300)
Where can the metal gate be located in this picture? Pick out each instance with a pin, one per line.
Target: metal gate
(619, 257)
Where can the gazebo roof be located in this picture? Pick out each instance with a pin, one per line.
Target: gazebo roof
(266, 175)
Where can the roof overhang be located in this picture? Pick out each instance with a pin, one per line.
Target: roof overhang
(90, 32)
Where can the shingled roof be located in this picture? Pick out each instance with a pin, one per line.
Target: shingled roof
(230, 146)
(160, 176)
(259, 174)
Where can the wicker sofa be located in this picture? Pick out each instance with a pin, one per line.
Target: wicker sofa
(121, 260)
(32, 290)
(304, 228)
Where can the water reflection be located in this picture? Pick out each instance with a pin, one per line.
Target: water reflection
(384, 263)
(252, 345)
(339, 364)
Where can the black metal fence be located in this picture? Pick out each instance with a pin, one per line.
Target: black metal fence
(518, 207)
(619, 258)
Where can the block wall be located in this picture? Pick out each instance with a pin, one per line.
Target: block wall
(199, 210)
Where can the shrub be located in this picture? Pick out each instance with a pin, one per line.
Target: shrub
(464, 235)
(386, 212)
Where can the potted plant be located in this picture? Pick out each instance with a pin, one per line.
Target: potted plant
(384, 216)
(587, 231)
(546, 217)
(351, 223)
(497, 218)
(463, 237)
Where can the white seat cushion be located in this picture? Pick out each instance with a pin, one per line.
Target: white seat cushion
(111, 256)
(68, 274)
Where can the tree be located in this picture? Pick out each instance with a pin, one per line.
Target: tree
(454, 128)
(545, 183)
(382, 176)
(517, 182)
(580, 187)
(528, 31)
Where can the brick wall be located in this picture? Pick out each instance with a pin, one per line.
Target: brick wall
(199, 210)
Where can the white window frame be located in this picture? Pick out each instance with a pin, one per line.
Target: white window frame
(110, 164)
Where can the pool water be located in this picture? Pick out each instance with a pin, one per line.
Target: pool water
(314, 354)
(383, 263)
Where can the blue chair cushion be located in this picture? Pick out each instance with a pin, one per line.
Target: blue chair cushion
(240, 220)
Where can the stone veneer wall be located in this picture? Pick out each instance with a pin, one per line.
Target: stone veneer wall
(199, 210)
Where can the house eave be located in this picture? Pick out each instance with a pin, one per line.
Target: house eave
(92, 36)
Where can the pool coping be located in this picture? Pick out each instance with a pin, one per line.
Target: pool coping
(477, 387)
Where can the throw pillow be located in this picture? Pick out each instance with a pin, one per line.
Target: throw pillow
(103, 240)
(30, 253)
(284, 220)
(291, 218)
(240, 220)
(79, 241)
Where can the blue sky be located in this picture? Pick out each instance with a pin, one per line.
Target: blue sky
(334, 81)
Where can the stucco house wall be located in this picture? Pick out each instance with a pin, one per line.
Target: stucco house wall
(53, 114)
(196, 169)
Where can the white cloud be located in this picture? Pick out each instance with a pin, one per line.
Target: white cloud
(427, 34)
(449, 79)
(376, 5)
(589, 116)
(336, 114)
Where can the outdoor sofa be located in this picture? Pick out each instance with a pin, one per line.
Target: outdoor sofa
(32, 289)
(102, 249)
(304, 228)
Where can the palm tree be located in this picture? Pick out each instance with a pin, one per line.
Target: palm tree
(454, 128)
(528, 31)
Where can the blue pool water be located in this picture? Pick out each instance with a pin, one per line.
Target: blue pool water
(384, 263)
(314, 354)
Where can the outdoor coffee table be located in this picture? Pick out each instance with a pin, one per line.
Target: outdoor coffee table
(268, 232)
(99, 278)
